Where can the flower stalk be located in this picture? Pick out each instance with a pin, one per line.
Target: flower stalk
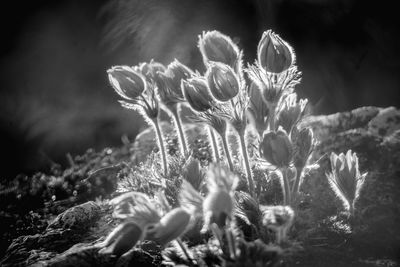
(214, 143)
(161, 144)
(181, 133)
(286, 187)
(225, 144)
(245, 155)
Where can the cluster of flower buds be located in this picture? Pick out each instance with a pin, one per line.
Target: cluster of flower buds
(346, 179)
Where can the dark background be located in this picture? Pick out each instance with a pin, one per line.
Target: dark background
(55, 97)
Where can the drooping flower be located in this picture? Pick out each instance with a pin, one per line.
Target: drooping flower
(171, 226)
(197, 94)
(215, 46)
(128, 83)
(122, 239)
(276, 148)
(222, 81)
(346, 179)
(274, 54)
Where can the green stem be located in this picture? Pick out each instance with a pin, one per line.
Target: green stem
(214, 143)
(249, 173)
(161, 145)
(224, 138)
(286, 187)
(181, 133)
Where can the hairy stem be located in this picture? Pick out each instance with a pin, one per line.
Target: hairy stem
(181, 133)
(224, 138)
(249, 173)
(296, 185)
(271, 116)
(161, 145)
(286, 187)
(214, 143)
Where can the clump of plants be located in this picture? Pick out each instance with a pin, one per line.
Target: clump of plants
(216, 213)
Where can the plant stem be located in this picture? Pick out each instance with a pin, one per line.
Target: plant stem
(271, 116)
(296, 185)
(286, 187)
(181, 133)
(161, 145)
(183, 247)
(214, 143)
(249, 173)
(224, 138)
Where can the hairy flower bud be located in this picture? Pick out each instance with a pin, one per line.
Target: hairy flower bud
(150, 69)
(345, 178)
(122, 239)
(197, 95)
(215, 46)
(171, 226)
(276, 148)
(274, 54)
(304, 144)
(222, 81)
(291, 112)
(128, 83)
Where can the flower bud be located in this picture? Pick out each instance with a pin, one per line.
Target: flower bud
(274, 54)
(122, 239)
(197, 95)
(128, 83)
(171, 226)
(176, 72)
(346, 179)
(215, 46)
(291, 112)
(222, 81)
(303, 143)
(258, 110)
(276, 148)
(149, 69)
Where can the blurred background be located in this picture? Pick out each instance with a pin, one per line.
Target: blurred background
(54, 94)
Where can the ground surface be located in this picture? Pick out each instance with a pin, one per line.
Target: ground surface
(54, 219)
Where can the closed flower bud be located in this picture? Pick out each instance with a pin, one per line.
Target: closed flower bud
(215, 46)
(304, 144)
(276, 148)
(122, 239)
(346, 179)
(128, 83)
(197, 95)
(217, 207)
(222, 81)
(291, 112)
(171, 226)
(274, 54)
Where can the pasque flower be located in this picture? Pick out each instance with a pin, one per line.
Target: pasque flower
(276, 148)
(215, 46)
(279, 219)
(128, 83)
(122, 239)
(274, 54)
(197, 94)
(291, 112)
(222, 81)
(346, 179)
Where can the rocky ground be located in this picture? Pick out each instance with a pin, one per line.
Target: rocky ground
(57, 218)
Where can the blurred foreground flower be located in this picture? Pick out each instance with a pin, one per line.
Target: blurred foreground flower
(278, 219)
(346, 179)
